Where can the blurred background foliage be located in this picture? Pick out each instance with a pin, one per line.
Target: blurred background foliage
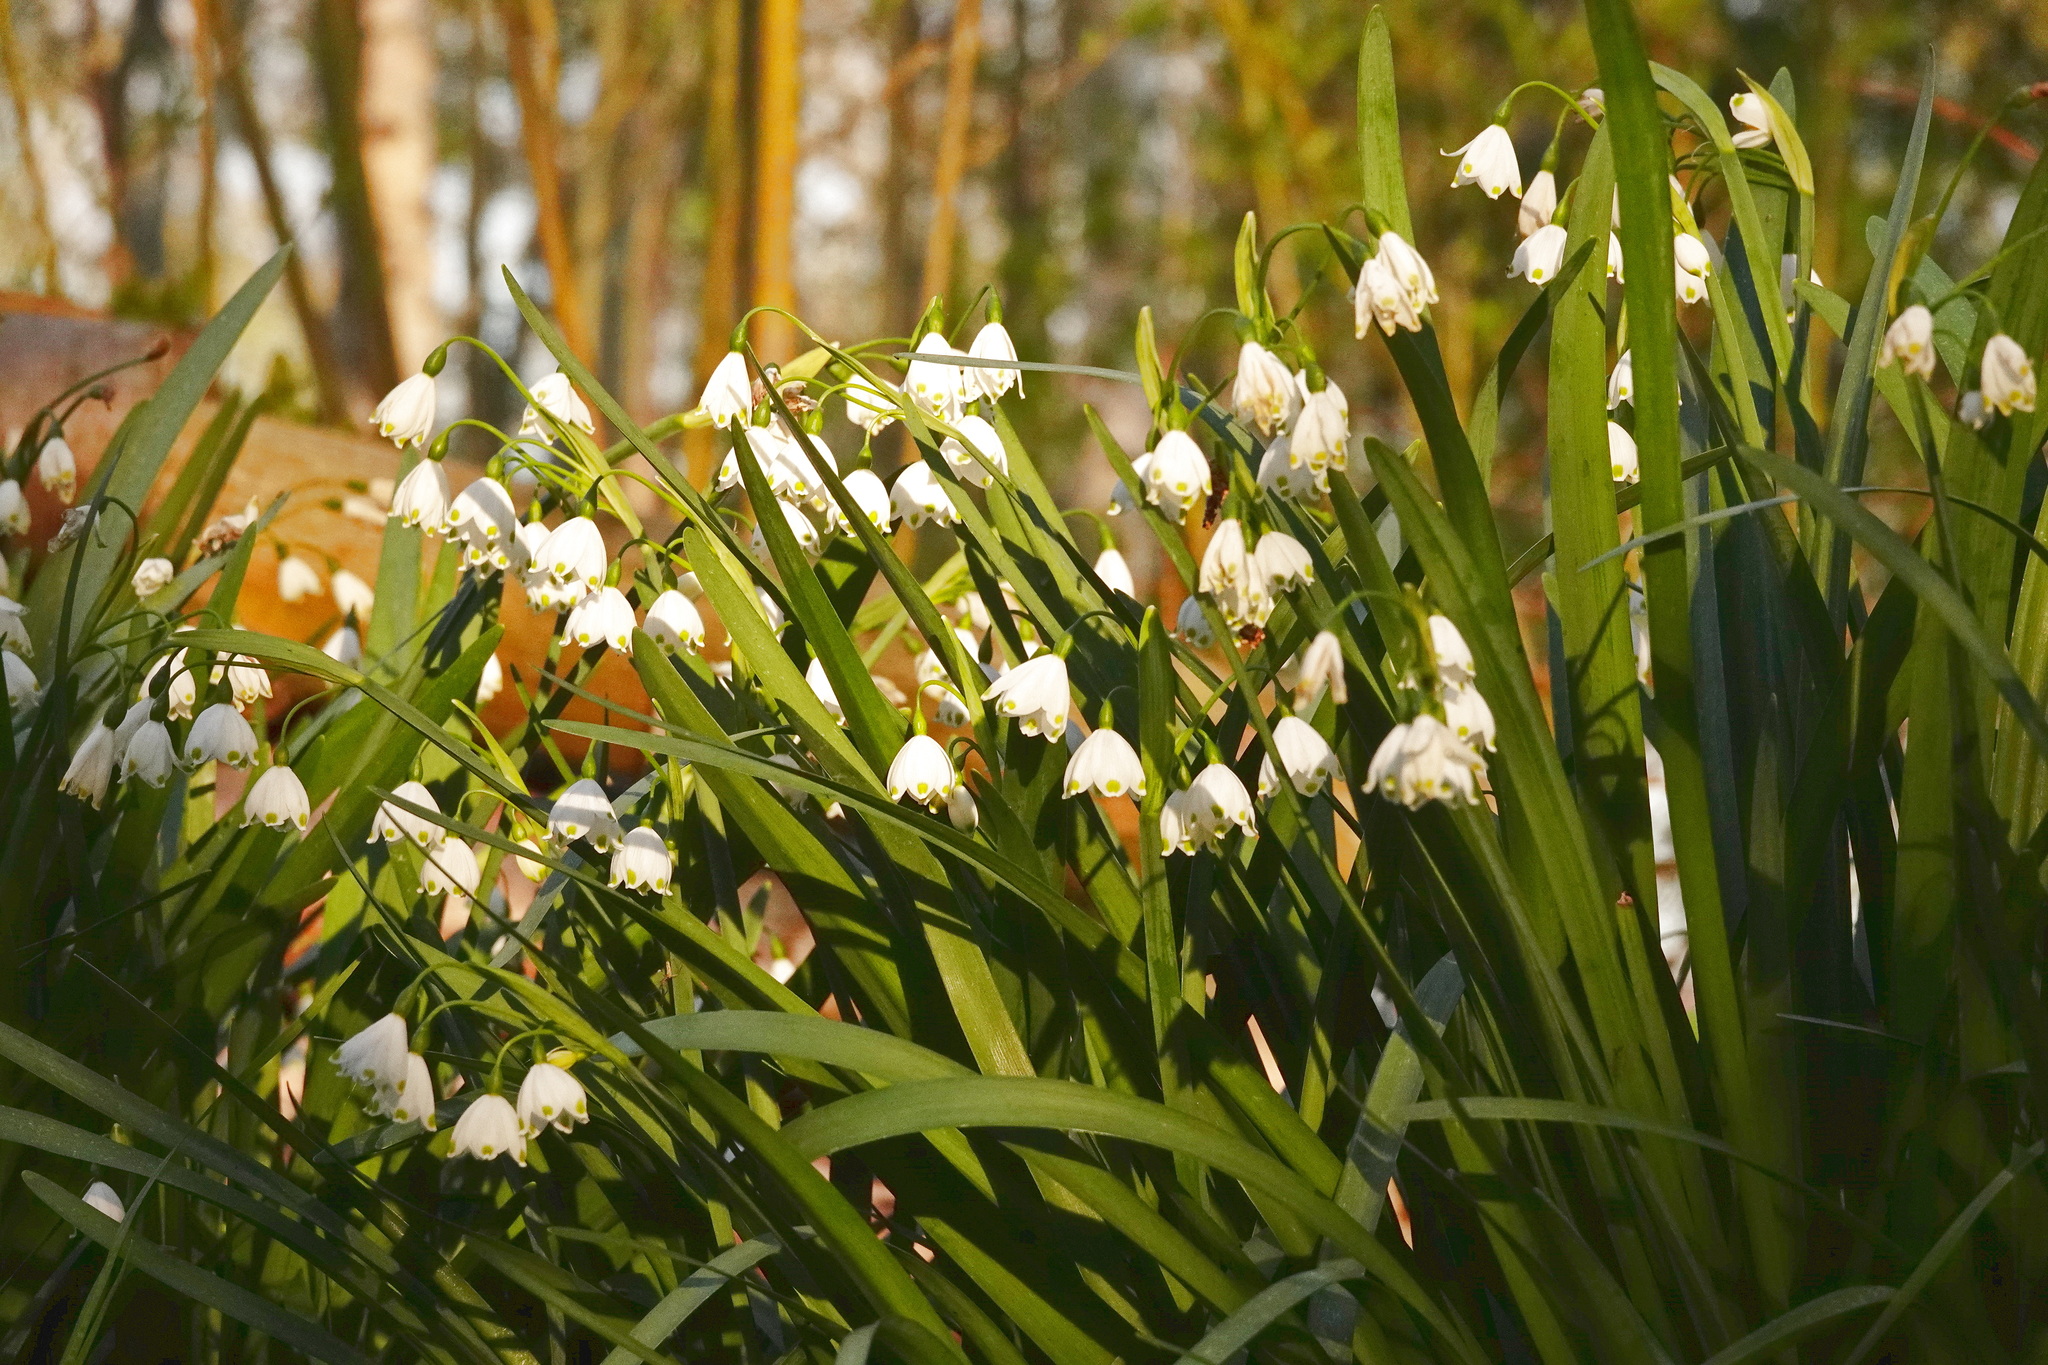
(654, 166)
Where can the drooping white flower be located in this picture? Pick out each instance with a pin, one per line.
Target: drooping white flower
(583, 811)
(1323, 429)
(771, 611)
(605, 616)
(728, 395)
(1226, 562)
(642, 861)
(801, 527)
(1228, 803)
(574, 553)
(57, 469)
(421, 498)
(1621, 385)
(1468, 715)
(133, 719)
(1489, 162)
(345, 647)
(993, 342)
(1970, 410)
(450, 868)
(152, 576)
(871, 406)
(1408, 270)
(550, 1095)
(1191, 625)
(412, 1099)
(377, 1055)
(1176, 475)
(405, 416)
(1541, 255)
(1594, 101)
(490, 681)
(1539, 203)
(938, 388)
(784, 464)
(489, 1128)
(1282, 562)
(247, 679)
(557, 397)
(1909, 342)
(220, 735)
(483, 520)
(1690, 288)
(100, 1197)
(1305, 756)
(821, 687)
(1691, 254)
(1105, 763)
(1614, 261)
(922, 771)
(1035, 695)
(961, 812)
(674, 623)
(918, 497)
(1265, 394)
(2007, 376)
(14, 516)
(1453, 656)
(1622, 463)
(1423, 761)
(1319, 666)
(276, 799)
(183, 690)
(985, 442)
(870, 495)
(1286, 474)
(1184, 823)
(393, 824)
(528, 539)
(1115, 572)
(297, 580)
(13, 631)
(1755, 117)
(92, 766)
(1380, 299)
(352, 596)
(150, 755)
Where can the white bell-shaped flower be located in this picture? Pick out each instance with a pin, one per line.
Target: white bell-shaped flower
(1305, 756)
(993, 342)
(1106, 764)
(1909, 342)
(91, 767)
(1227, 801)
(220, 735)
(771, 611)
(1115, 572)
(345, 647)
(1489, 162)
(150, 756)
(14, 514)
(377, 1055)
(421, 498)
(489, 1128)
(412, 1099)
(490, 681)
(352, 596)
(276, 799)
(1265, 394)
(870, 495)
(1322, 432)
(450, 868)
(1615, 265)
(2006, 376)
(248, 681)
(528, 540)
(1121, 499)
(405, 416)
(1755, 117)
(1454, 665)
(1468, 715)
(918, 497)
(152, 576)
(1287, 475)
(674, 623)
(801, 528)
(393, 824)
(1035, 694)
(1691, 288)
(557, 397)
(922, 771)
(1622, 464)
(1319, 667)
(297, 580)
(938, 388)
(100, 1197)
(961, 812)
(1423, 761)
(1691, 255)
(869, 406)
(1409, 272)
(728, 395)
(1539, 203)
(1541, 255)
(642, 861)
(549, 1095)
(133, 719)
(1176, 477)
(22, 687)
(1621, 385)
(1191, 625)
(603, 617)
(821, 687)
(1184, 823)
(1226, 561)
(483, 519)
(574, 553)
(584, 812)
(1282, 562)
(57, 469)
(1380, 300)
(985, 442)
(1970, 410)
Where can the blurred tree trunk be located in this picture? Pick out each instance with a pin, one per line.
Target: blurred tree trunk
(957, 121)
(725, 177)
(395, 104)
(206, 87)
(658, 140)
(39, 199)
(362, 312)
(534, 53)
(776, 146)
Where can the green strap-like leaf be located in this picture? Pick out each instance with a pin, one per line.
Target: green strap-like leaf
(1235, 1332)
(693, 1293)
(1787, 1328)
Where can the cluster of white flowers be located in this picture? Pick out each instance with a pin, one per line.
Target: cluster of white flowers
(1243, 580)
(2005, 373)
(1438, 757)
